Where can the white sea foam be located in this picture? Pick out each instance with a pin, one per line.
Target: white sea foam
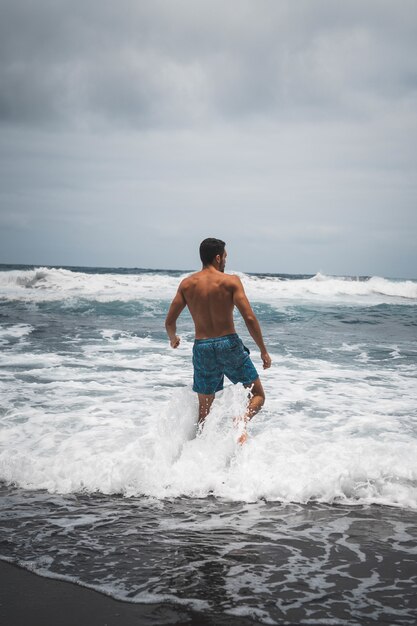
(113, 419)
(117, 414)
(49, 284)
(374, 290)
(115, 591)
(90, 406)
(14, 332)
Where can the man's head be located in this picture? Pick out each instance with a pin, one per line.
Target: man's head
(212, 252)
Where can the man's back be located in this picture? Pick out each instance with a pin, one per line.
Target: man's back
(209, 297)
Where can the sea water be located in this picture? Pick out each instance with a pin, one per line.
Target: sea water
(105, 480)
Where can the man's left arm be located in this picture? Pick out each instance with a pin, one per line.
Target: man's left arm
(177, 305)
(241, 301)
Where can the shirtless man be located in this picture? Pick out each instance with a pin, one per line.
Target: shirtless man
(211, 297)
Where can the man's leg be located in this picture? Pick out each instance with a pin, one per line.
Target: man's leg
(256, 402)
(204, 405)
(257, 399)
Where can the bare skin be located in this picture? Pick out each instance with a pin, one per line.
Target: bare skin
(211, 296)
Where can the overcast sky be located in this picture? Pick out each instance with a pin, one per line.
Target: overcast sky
(131, 130)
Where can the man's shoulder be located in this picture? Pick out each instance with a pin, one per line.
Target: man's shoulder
(190, 279)
(229, 282)
(233, 279)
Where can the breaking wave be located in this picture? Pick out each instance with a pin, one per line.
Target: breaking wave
(48, 284)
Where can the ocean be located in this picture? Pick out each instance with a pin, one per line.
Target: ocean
(105, 482)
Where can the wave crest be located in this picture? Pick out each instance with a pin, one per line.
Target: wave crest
(48, 284)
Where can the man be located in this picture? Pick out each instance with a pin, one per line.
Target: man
(211, 296)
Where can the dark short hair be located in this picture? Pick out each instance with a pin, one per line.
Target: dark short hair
(210, 248)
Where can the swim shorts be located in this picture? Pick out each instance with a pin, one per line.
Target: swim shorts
(219, 356)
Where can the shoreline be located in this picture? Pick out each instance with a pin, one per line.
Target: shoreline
(361, 550)
(29, 598)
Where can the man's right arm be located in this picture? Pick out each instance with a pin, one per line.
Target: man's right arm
(241, 301)
(177, 305)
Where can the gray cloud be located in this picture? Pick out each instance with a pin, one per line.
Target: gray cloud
(153, 64)
(130, 131)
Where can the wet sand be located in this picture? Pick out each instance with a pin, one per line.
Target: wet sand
(26, 598)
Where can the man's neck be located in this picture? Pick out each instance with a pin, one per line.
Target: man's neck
(210, 268)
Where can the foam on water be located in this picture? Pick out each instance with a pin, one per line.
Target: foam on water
(112, 419)
(95, 405)
(111, 410)
(274, 563)
(45, 284)
(15, 332)
(375, 289)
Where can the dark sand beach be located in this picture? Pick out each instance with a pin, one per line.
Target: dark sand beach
(26, 598)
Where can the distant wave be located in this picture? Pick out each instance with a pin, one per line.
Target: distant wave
(48, 284)
(325, 287)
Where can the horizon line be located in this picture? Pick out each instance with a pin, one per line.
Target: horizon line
(162, 269)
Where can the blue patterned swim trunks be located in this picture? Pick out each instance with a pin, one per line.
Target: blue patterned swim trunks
(219, 356)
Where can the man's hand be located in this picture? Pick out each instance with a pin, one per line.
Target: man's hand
(266, 360)
(175, 341)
